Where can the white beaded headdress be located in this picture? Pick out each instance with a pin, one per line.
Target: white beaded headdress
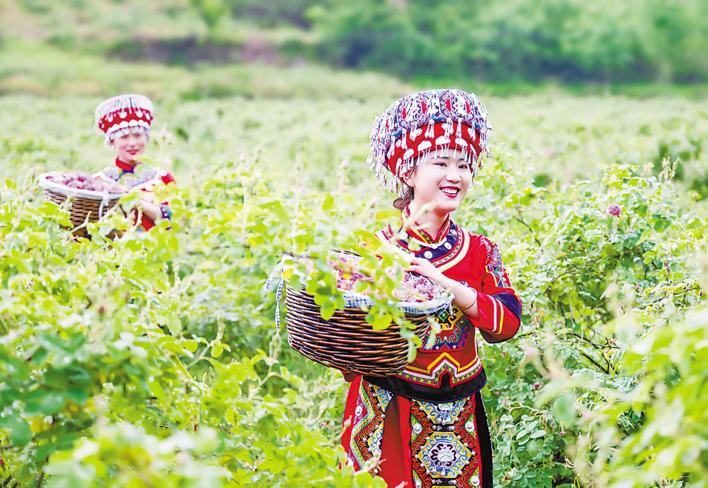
(433, 121)
(124, 114)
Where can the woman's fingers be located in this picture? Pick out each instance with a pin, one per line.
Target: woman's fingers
(415, 261)
(419, 263)
(419, 270)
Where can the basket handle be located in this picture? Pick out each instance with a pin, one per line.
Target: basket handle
(268, 286)
(278, 298)
(100, 208)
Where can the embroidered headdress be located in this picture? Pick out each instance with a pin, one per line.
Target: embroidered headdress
(434, 121)
(124, 114)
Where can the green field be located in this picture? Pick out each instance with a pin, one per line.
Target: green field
(164, 331)
(154, 360)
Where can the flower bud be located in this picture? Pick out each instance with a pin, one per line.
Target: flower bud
(614, 210)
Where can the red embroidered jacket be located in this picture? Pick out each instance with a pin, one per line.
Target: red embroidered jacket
(144, 179)
(451, 368)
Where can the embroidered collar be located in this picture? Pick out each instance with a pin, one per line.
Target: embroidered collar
(416, 233)
(447, 249)
(125, 167)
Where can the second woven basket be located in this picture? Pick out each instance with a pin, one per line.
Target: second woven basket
(85, 205)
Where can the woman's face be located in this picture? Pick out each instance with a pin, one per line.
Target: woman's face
(130, 146)
(440, 181)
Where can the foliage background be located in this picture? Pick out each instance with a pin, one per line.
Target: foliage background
(154, 360)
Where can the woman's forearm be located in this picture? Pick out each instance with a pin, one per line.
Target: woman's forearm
(464, 297)
(487, 313)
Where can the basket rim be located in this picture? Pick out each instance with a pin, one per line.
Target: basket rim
(47, 184)
(357, 300)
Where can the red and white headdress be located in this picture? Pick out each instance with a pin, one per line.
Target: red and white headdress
(434, 121)
(124, 114)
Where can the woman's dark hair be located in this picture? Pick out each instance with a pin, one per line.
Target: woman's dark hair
(404, 198)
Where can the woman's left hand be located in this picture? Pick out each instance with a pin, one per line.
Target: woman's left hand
(425, 268)
(150, 208)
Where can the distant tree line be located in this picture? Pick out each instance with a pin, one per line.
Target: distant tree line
(501, 40)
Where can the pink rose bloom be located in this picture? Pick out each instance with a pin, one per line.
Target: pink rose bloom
(614, 209)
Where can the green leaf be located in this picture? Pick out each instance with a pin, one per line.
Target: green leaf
(564, 409)
(51, 402)
(217, 350)
(378, 318)
(328, 203)
(190, 345)
(327, 309)
(174, 324)
(537, 434)
(20, 433)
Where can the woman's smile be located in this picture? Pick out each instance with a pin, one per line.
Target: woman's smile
(450, 191)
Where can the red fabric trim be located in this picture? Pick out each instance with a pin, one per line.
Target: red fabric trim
(111, 119)
(167, 178)
(485, 308)
(146, 222)
(349, 409)
(411, 147)
(125, 166)
(485, 321)
(396, 467)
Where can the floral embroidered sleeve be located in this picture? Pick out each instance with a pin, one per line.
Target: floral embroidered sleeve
(498, 305)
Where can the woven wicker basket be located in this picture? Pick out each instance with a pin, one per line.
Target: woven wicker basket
(346, 341)
(84, 205)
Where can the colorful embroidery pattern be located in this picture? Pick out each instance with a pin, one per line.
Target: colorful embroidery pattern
(448, 319)
(445, 255)
(444, 445)
(444, 363)
(445, 251)
(367, 430)
(495, 266)
(455, 329)
(454, 351)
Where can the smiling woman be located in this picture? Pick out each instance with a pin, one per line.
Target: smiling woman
(443, 178)
(126, 121)
(426, 426)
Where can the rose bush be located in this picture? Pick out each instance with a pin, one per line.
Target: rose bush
(155, 356)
